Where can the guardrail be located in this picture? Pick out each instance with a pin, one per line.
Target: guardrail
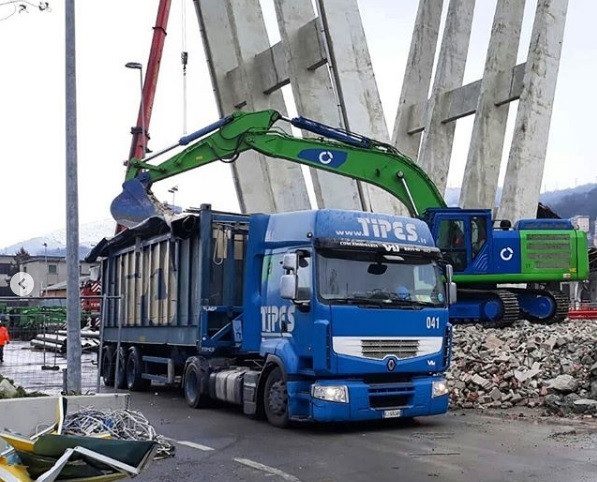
(583, 311)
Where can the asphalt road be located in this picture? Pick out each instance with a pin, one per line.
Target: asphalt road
(224, 445)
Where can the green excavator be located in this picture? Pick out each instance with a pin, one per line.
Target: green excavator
(539, 252)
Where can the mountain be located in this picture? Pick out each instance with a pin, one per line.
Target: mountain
(572, 202)
(556, 197)
(581, 200)
(89, 235)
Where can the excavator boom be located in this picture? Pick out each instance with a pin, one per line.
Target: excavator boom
(337, 151)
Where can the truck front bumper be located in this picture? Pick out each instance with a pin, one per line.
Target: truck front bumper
(368, 401)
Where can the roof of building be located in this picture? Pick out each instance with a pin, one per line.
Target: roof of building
(43, 258)
(62, 285)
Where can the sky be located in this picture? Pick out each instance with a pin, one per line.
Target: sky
(113, 32)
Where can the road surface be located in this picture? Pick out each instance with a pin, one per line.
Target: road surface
(224, 445)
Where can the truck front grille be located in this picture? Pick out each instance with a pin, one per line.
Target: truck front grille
(392, 395)
(378, 348)
(393, 401)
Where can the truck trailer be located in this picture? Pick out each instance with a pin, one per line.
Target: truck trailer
(319, 315)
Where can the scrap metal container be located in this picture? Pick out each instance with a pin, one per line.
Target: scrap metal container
(169, 284)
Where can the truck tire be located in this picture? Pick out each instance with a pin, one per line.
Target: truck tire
(108, 366)
(275, 398)
(121, 374)
(134, 369)
(195, 378)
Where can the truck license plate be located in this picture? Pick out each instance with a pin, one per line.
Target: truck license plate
(392, 413)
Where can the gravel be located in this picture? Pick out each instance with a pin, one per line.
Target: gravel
(552, 367)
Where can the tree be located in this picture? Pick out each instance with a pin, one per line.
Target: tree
(22, 255)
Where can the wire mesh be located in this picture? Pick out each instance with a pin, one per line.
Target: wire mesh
(36, 357)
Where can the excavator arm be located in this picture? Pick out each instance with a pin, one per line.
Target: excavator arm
(335, 150)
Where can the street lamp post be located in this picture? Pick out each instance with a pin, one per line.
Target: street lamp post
(47, 270)
(173, 190)
(139, 66)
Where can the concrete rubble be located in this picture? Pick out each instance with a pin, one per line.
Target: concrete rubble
(9, 389)
(552, 367)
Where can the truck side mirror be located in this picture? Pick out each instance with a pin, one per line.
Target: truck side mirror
(290, 262)
(452, 288)
(288, 286)
(452, 293)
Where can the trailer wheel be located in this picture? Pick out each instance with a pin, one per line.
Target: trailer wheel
(134, 369)
(121, 374)
(194, 378)
(108, 366)
(275, 398)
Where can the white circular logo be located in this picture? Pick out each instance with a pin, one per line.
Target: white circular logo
(325, 157)
(22, 284)
(507, 253)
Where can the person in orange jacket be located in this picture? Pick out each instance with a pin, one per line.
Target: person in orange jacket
(4, 340)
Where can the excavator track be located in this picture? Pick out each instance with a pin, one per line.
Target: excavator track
(559, 314)
(508, 311)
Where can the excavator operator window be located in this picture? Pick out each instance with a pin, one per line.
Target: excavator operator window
(452, 243)
(478, 234)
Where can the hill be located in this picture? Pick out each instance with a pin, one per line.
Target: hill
(89, 235)
(581, 200)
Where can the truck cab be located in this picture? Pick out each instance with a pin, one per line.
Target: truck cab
(353, 308)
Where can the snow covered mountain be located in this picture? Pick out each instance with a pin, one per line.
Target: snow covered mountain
(89, 235)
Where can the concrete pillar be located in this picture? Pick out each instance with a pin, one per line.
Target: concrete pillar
(417, 76)
(479, 185)
(355, 84)
(315, 98)
(233, 34)
(526, 162)
(436, 146)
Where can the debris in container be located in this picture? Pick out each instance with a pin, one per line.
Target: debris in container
(87, 445)
(118, 424)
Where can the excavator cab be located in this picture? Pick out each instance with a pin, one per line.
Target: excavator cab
(462, 237)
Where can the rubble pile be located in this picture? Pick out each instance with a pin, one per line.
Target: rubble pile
(530, 365)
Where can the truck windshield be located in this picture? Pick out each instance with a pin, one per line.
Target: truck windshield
(378, 279)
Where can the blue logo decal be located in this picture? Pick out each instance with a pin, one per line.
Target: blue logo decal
(325, 157)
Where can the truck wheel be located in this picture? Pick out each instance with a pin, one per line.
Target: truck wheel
(194, 378)
(275, 398)
(134, 381)
(121, 374)
(108, 366)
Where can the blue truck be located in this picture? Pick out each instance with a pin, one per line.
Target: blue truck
(319, 315)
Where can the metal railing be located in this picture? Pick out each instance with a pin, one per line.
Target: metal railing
(36, 358)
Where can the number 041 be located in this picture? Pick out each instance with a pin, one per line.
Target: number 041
(433, 323)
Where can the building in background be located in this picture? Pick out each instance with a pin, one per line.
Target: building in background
(583, 223)
(47, 271)
(7, 269)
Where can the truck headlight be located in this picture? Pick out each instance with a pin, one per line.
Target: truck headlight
(439, 388)
(331, 393)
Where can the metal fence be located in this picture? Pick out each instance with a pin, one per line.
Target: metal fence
(36, 357)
